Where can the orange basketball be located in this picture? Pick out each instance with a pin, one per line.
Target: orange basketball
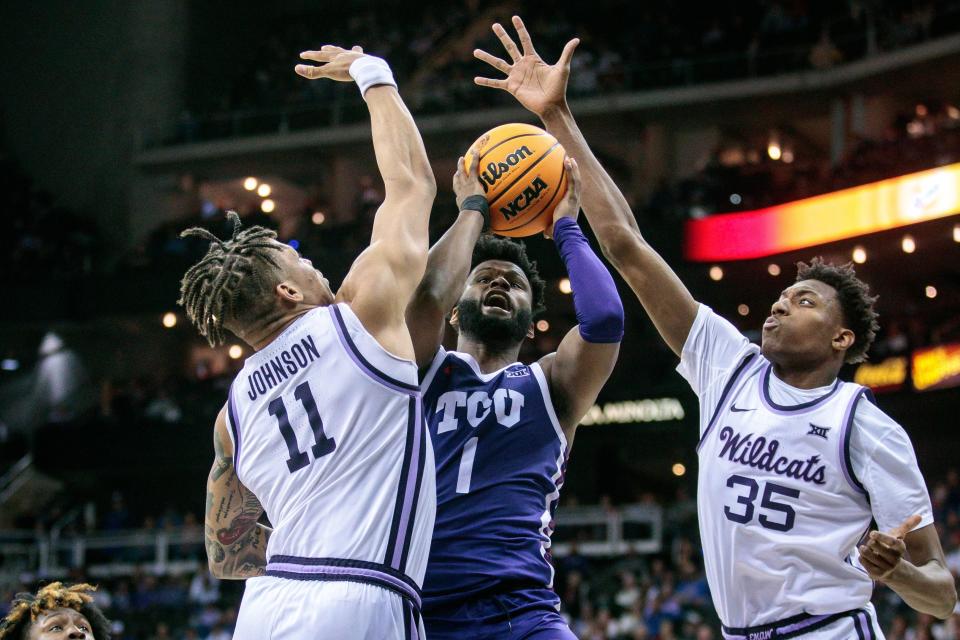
(522, 173)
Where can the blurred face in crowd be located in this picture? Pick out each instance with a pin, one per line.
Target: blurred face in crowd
(805, 327)
(61, 624)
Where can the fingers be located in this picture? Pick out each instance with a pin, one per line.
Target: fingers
(886, 540)
(906, 526)
(881, 555)
(567, 54)
(459, 172)
(524, 36)
(357, 48)
(874, 570)
(507, 42)
(473, 171)
(573, 182)
(491, 82)
(310, 72)
(319, 56)
(497, 63)
(573, 174)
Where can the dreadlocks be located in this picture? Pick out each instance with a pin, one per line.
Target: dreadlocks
(230, 286)
(490, 247)
(855, 301)
(27, 607)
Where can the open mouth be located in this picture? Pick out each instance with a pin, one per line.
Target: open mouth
(497, 300)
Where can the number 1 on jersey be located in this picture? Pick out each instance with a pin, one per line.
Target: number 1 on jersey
(466, 465)
(324, 445)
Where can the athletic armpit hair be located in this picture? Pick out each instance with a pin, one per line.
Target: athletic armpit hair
(231, 285)
(27, 607)
(855, 301)
(490, 247)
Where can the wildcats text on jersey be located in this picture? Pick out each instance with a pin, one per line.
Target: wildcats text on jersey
(763, 454)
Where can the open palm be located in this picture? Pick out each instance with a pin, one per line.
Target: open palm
(538, 86)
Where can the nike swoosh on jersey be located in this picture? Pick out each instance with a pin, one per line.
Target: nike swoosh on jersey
(737, 409)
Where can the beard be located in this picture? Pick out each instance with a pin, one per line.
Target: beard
(492, 330)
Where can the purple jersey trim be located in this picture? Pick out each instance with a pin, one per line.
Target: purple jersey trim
(724, 396)
(844, 445)
(411, 630)
(411, 476)
(354, 352)
(234, 427)
(784, 410)
(795, 626)
(335, 569)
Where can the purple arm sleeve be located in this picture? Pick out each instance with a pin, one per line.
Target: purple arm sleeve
(595, 297)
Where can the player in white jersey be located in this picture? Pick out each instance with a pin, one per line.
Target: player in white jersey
(323, 428)
(794, 463)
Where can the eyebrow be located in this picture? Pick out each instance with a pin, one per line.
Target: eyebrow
(799, 290)
(510, 272)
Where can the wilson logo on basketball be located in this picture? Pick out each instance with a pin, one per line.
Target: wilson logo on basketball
(525, 199)
(496, 170)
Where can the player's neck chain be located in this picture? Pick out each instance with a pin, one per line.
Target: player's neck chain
(761, 453)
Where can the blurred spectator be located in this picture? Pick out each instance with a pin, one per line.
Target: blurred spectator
(430, 52)
(204, 589)
(824, 53)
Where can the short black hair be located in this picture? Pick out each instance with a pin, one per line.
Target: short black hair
(27, 607)
(855, 300)
(490, 247)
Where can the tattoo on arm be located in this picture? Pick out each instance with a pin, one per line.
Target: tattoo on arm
(236, 546)
(222, 463)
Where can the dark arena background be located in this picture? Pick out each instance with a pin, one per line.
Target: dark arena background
(836, 123)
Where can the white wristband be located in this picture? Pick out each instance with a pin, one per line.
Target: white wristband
(370, 71)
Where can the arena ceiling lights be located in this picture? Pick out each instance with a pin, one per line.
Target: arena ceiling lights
(879, 206)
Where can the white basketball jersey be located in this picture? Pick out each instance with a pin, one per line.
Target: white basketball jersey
(329, 435)
(780, 508)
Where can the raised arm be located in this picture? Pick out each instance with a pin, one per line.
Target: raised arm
(385, 275)
(587, 354)
(541, 88)
(448, 266)
(236, 544)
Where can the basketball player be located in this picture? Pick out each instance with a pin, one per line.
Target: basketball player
(323, 427)
(794, 463)
(502, 430)
(55, 612)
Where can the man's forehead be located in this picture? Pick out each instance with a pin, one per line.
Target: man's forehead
(499, 266)
(65, 611)
(822, 289)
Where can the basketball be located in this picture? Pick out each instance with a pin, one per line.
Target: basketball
(523, 176)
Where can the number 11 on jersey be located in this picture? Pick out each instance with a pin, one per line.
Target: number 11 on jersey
(324, 445)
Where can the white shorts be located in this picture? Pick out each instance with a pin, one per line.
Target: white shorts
(285, 609)
(854, 626)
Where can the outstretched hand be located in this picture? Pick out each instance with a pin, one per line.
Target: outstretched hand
(883, 551)
(538, 86)
(335, 61)
(569, 205)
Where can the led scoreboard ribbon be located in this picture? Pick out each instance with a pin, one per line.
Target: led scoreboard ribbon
(869, 208)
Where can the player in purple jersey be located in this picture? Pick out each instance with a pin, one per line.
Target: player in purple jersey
(824, 319)
(501, 429)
